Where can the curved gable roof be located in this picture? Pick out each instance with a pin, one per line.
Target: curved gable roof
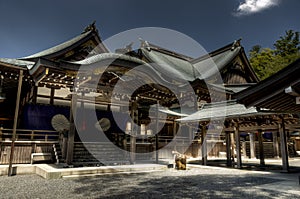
(59, 51)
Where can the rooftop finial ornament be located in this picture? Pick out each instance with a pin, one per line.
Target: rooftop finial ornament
(90, 27)
(236, 43)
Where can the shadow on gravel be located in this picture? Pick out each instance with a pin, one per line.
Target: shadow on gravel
(179, 186)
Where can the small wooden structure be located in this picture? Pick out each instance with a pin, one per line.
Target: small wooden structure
(279, 93)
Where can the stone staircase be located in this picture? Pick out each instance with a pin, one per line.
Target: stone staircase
(98, 154)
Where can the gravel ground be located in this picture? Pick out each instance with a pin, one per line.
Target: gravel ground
(192, 183)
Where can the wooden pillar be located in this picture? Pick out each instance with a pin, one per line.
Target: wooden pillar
(52, 93)
(238, 146)
(34, 94)
(252, 145)
(156, 133)
(174, 134)
(190, 134)
(275, 144)
(228, 149)
(244, 150)
(16, 117)
(232, 146)
(261, 148)
(283, 146)
(204, 145)
(134, 123)
(72, 130)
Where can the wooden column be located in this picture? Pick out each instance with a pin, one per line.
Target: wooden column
(52, 93)
(190, 134)
(238, 146)
(204, 145)
(244, 150)
(72, 130)
(174, 134)
(228, 149)
(34, 94)
(275, 144)
(252, 145)
(232, 146)
(261, 148)
(156, 133)
(134, 123)
(16, 117)
(283, 146)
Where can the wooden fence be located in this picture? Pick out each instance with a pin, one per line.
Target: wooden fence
(27, 142)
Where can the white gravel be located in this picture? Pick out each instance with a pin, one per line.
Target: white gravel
(193, 183)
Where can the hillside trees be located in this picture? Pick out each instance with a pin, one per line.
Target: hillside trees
(266, 61)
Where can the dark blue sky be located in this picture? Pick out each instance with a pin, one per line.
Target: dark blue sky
(31, 26)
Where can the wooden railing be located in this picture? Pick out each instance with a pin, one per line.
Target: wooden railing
(29, 135)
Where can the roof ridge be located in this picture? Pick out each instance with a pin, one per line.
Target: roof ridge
(151, 46)
(232, 46)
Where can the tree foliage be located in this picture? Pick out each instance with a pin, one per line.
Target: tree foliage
(266, 61)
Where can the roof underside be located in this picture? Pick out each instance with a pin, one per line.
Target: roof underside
(273, 93)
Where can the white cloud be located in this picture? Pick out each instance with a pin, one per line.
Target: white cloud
(253, 6)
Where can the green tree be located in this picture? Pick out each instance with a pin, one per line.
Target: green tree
(266, 61)
(288, 44)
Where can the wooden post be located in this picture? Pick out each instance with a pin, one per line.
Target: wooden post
(244, 151)
(52, 93)
(174, 134)
(204, 145)
(10, 173)
(283, 146)
(252, 145)
(261, 148)
(190, 134)
(156, 133)
(0, 134)
(275, 144)
(238, 146)
(34, 94)
(72, 130)
(32, 135)
(134, 117)
(232, 146)
(228, 149)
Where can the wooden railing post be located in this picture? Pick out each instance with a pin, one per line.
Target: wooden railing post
(32, 135)
(1, 133)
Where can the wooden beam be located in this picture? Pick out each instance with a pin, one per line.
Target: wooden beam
(10, 173)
